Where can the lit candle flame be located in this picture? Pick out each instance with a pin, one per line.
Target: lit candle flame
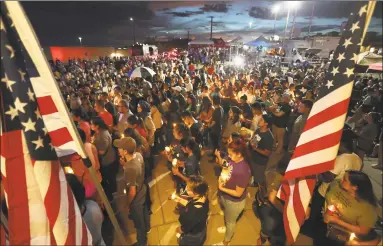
(124, 191)
(167, 149)
(122, 135)
(352, 236)
(331, 208)
(224, 176)
(174, 125)
(173, 196)
(68, 170)
(174, 162)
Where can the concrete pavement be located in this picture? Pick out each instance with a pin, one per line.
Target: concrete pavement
(164, 221)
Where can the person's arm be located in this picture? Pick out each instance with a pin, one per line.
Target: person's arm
(275, 201)
(236, 193)
(357, 229)
(179, 174)
(131, 194)
(264, 152)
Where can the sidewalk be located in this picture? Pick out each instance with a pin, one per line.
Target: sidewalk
(164, 221)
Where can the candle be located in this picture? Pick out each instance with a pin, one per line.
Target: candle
(331, 209)
(122, 135)
(68, 170)
(124, 191)
(174, 125)
(352, 236)
(167, 149)
(173, 196)
(174, 162)
(224, 176)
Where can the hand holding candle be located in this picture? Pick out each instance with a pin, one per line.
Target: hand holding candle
(174, 162)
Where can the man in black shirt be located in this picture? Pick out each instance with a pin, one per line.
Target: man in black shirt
(110, 107)
(281, 114)
(261, 145)
(216, 124)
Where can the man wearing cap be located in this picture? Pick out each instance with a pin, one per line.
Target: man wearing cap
(281, 114)
(136, 190)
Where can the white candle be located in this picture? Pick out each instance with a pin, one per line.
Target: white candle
(68, 170)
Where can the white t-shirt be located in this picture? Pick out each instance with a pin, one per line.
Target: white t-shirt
(343, 162)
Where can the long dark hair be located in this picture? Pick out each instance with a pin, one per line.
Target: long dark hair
(363, 182)
(191, 144)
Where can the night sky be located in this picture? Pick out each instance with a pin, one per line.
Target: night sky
(108, 24)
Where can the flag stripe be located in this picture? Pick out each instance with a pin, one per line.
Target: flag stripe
(60, 137)
(322, 130)
(16, 188)
(46, 105)
(334, 111)
(334, 97)
(71, 239)
(318, 144)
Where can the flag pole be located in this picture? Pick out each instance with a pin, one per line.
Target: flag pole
(16, 6)
(370, 11)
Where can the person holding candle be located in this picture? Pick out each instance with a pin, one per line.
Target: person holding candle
(193, 218)
(232, 189)
(350, 205)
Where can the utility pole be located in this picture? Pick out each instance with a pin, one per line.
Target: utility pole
(211, 27)
(311, 20)
(292, 29)
(188, 33)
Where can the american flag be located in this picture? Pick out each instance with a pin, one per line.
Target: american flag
(319, 142)
(41, 206)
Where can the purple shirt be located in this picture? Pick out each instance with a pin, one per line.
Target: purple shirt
(239, 175)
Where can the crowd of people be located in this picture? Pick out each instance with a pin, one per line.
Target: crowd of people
(247, 119)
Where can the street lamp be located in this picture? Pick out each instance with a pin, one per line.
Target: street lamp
(80, 38)
(134, 30)
(275, 10)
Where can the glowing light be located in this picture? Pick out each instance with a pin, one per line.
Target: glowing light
(239, 61)
(174, 162)
(275, 9)
(131, 18)
(167, 149)
(352, 236)
(331, 208)
(224, 176)
(174, 125)
(124, 191)
(68, 170)
(293, 4)
(122, 135)
(250, 24)
(173, 196)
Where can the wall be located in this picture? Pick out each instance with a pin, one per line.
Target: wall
(88, 53)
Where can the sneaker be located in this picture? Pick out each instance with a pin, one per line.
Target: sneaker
(221, 229)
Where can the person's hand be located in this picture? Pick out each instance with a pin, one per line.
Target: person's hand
(175, 171)
(217, 153)
(179, 230)
(253, 145)
(220, 184)
(331, 218)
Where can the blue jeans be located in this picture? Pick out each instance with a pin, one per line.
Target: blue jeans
(140, 216)
(231, 210)
(271, 223)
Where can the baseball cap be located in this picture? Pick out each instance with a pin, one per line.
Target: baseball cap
(128, 144)
(177, 88)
